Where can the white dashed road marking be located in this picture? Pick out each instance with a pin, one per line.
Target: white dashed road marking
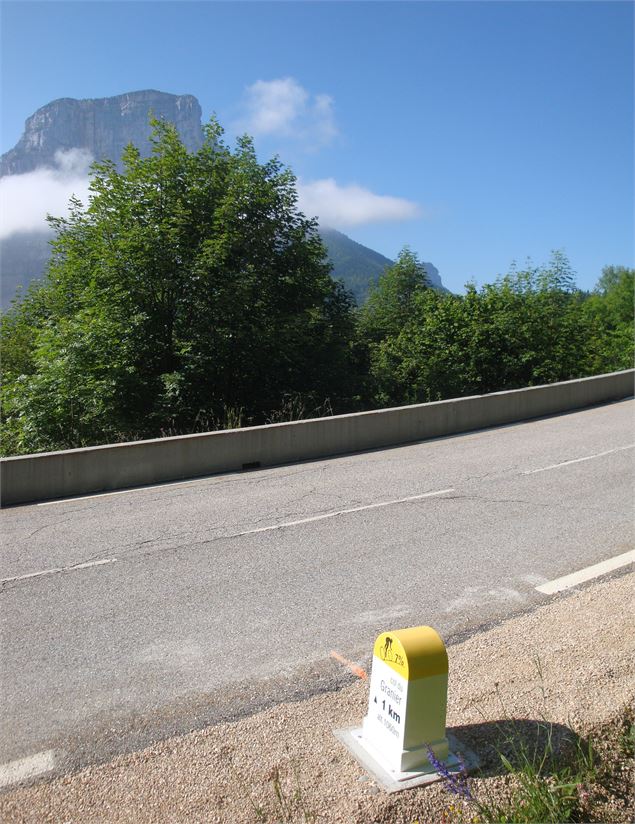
(587, 574)
(15, 771)
(579, 460)
(341, 512)
(58, 569)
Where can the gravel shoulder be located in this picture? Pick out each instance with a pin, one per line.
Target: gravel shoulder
(569, 662)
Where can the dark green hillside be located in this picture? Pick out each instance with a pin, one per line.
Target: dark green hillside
(356, 265)
(359, 267)
(23, 258)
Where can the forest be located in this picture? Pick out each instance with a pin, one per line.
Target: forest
(190, 294)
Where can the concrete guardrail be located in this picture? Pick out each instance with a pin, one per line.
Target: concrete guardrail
(50, 475)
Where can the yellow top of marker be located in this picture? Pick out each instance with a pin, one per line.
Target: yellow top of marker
(416, 652)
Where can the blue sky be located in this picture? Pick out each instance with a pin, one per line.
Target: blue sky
(477, 133)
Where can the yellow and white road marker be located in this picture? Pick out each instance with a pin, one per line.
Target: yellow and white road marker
(407, 707)
(408, 699)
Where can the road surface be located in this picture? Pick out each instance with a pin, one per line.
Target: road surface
(132, 615)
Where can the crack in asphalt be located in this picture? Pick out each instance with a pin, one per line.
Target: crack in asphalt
(42, 528)
(540, 504)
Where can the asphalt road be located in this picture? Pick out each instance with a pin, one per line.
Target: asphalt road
(132, 615)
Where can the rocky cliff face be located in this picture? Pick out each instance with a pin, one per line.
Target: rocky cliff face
(103, 127)
(100, 128)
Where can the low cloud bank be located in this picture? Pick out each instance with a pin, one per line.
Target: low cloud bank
(352, 205)
(26, 199)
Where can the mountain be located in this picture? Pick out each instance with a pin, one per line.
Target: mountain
(359, 267)
(103, 126)
(67, 129)
(23, 258)
(100, 129)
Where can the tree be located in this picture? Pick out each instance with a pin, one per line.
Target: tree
(617, 286)
(610, 312)
(389, 304)
(526, 328)
(189, 291)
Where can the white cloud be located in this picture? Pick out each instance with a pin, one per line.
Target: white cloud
(26, 199)
(284, 108)
(352, 205)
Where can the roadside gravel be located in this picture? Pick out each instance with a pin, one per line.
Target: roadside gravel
(569, 662)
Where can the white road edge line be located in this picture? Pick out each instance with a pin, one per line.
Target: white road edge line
(341, 512)
(14, 771)
(586, 574)
(52, 571)
(159, 485)
(578, 460)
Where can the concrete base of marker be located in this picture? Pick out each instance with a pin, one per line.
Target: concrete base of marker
(391, 780)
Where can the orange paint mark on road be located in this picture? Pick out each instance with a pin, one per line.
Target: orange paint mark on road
(358, 671)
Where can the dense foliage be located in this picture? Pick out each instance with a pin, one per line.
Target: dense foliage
(191, 294)
(530, 327)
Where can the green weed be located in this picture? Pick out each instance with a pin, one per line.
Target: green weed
(289, 804)
(571, 781)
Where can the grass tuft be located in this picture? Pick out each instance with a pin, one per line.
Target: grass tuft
(568, 780)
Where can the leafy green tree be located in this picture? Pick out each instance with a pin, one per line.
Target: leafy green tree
(617, 286)
(609, 311)
(189, 291)
(528, 327)
(389, 304)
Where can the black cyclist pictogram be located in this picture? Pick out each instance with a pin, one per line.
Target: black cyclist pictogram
(385, 652)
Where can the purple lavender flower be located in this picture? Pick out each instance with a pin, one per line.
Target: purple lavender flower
(455, 782)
